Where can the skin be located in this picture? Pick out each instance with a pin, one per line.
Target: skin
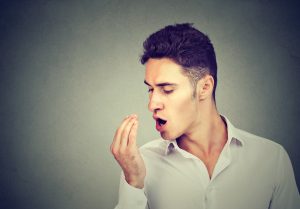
(126, 152)
(192, 120)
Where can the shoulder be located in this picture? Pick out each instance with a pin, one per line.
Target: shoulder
(268, 158)
(260, 146)
(253, 144)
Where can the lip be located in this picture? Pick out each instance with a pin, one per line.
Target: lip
(157, 125)
(155, 117)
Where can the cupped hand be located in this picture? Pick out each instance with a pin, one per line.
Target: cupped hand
(124, 149)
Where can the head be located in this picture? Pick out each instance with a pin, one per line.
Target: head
(186, 46)
(181, 77)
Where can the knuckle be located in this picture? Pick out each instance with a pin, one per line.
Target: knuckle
(114, 151)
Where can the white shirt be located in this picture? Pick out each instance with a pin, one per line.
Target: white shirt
(251, 173)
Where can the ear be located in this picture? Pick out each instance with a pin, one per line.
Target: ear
(205, 87)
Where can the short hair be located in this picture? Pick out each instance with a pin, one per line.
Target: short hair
(186, 46)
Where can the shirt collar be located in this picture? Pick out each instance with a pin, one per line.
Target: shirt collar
(233, 138)
(233, 133)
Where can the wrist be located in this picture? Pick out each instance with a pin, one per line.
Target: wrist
(135, 182)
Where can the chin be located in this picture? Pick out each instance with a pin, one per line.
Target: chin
(167, 136)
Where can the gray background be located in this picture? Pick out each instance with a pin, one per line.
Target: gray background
(70, 72)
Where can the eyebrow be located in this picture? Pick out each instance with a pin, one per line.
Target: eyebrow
(161, 84)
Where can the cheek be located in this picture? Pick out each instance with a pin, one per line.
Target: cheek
(184, 108)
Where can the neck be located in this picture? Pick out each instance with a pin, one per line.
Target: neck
(208, 136)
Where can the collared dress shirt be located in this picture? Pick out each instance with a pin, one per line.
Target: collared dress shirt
(251, 173)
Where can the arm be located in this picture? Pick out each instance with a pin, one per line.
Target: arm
(285, 194)
(130, 197)
(126, 153)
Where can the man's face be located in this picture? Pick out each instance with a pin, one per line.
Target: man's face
(171, 100)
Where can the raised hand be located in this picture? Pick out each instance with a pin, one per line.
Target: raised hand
(125, 150)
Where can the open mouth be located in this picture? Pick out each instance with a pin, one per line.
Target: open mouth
(161, 122)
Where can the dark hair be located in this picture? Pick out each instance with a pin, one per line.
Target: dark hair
(186, 46)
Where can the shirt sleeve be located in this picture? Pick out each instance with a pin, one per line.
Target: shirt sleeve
(286, 194)
(130, 197)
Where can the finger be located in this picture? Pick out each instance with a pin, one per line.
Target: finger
(117, 137)
(133, 134)
(125, 134)
(123, 126)
(118, 134)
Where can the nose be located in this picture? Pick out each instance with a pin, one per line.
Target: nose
(155, 102)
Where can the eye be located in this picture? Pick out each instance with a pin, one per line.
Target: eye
(150, 90)
(168, 91)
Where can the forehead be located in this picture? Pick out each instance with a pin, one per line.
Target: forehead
(163, 70)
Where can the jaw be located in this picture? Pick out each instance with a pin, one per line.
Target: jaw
(170, 133)
(166, 136)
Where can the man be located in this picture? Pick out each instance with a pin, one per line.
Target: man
(202, 160)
